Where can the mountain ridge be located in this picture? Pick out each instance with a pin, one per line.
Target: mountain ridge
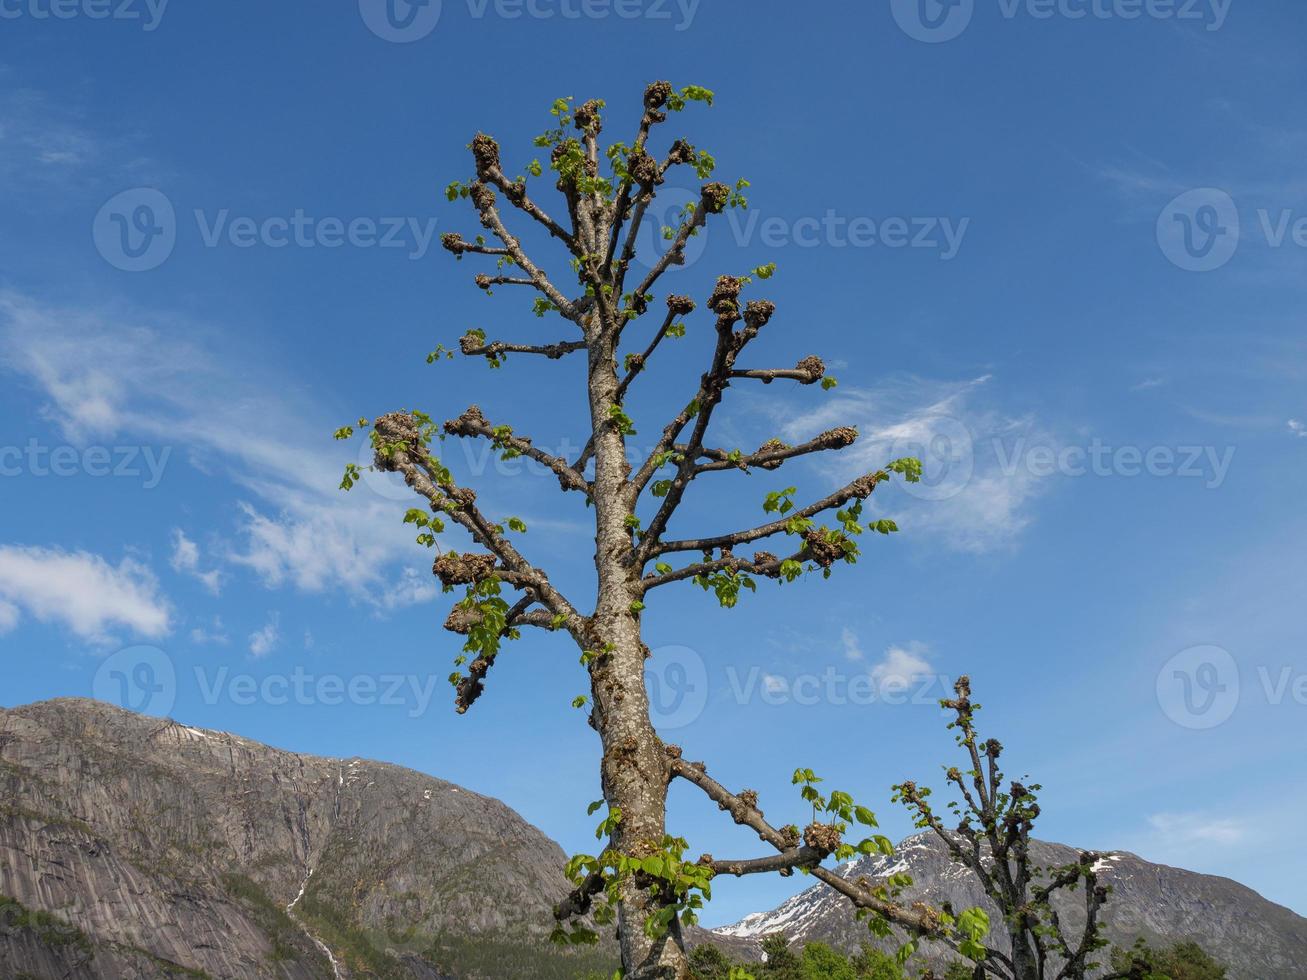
(136, 848)
(1254, 937)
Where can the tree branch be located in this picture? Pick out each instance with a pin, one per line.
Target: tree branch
(486, 282)
(921, 921)
(725, 303)
(461, 620)
(473, 423)
(771, 455)
(484, 199)
(861, 488)
(785, 862)
(676, 306)
(485, 151)
(808, 371)
(655, 97)
(454, 242)
(472, 346)
(402, 451)
(763, 563)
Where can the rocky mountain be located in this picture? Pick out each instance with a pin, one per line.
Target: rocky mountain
(134, 848)
(1254, 938)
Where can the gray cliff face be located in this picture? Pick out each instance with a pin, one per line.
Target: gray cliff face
(134, 847)
(1254, 938)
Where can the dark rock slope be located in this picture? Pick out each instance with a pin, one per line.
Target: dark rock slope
(1256, 939)
(133, 847)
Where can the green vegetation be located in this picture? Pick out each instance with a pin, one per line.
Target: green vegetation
(817, 961)
(482, 956)
(50, 930)
(269, 916)
(1182, 961)
(353, 946)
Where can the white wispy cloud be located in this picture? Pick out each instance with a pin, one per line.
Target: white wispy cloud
(1182, 829)
(901, 666)
(9, 616)
(51, 157)
(852, 647)
(186, 559)
(265, 640)
(1148, 384)
(81, 592)
(111, 373)
(975, 494)
(214, 633)
(35, 134)
(1297, 428)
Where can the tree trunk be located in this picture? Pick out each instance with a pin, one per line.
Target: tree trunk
(635, 769)
(1024, 962)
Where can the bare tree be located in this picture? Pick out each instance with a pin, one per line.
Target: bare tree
(992, 841)
(642, 880)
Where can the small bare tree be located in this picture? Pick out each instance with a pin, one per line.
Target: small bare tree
(641, 880)
(992, 841)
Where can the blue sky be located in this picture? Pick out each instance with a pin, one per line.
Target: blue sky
(1059, 256)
